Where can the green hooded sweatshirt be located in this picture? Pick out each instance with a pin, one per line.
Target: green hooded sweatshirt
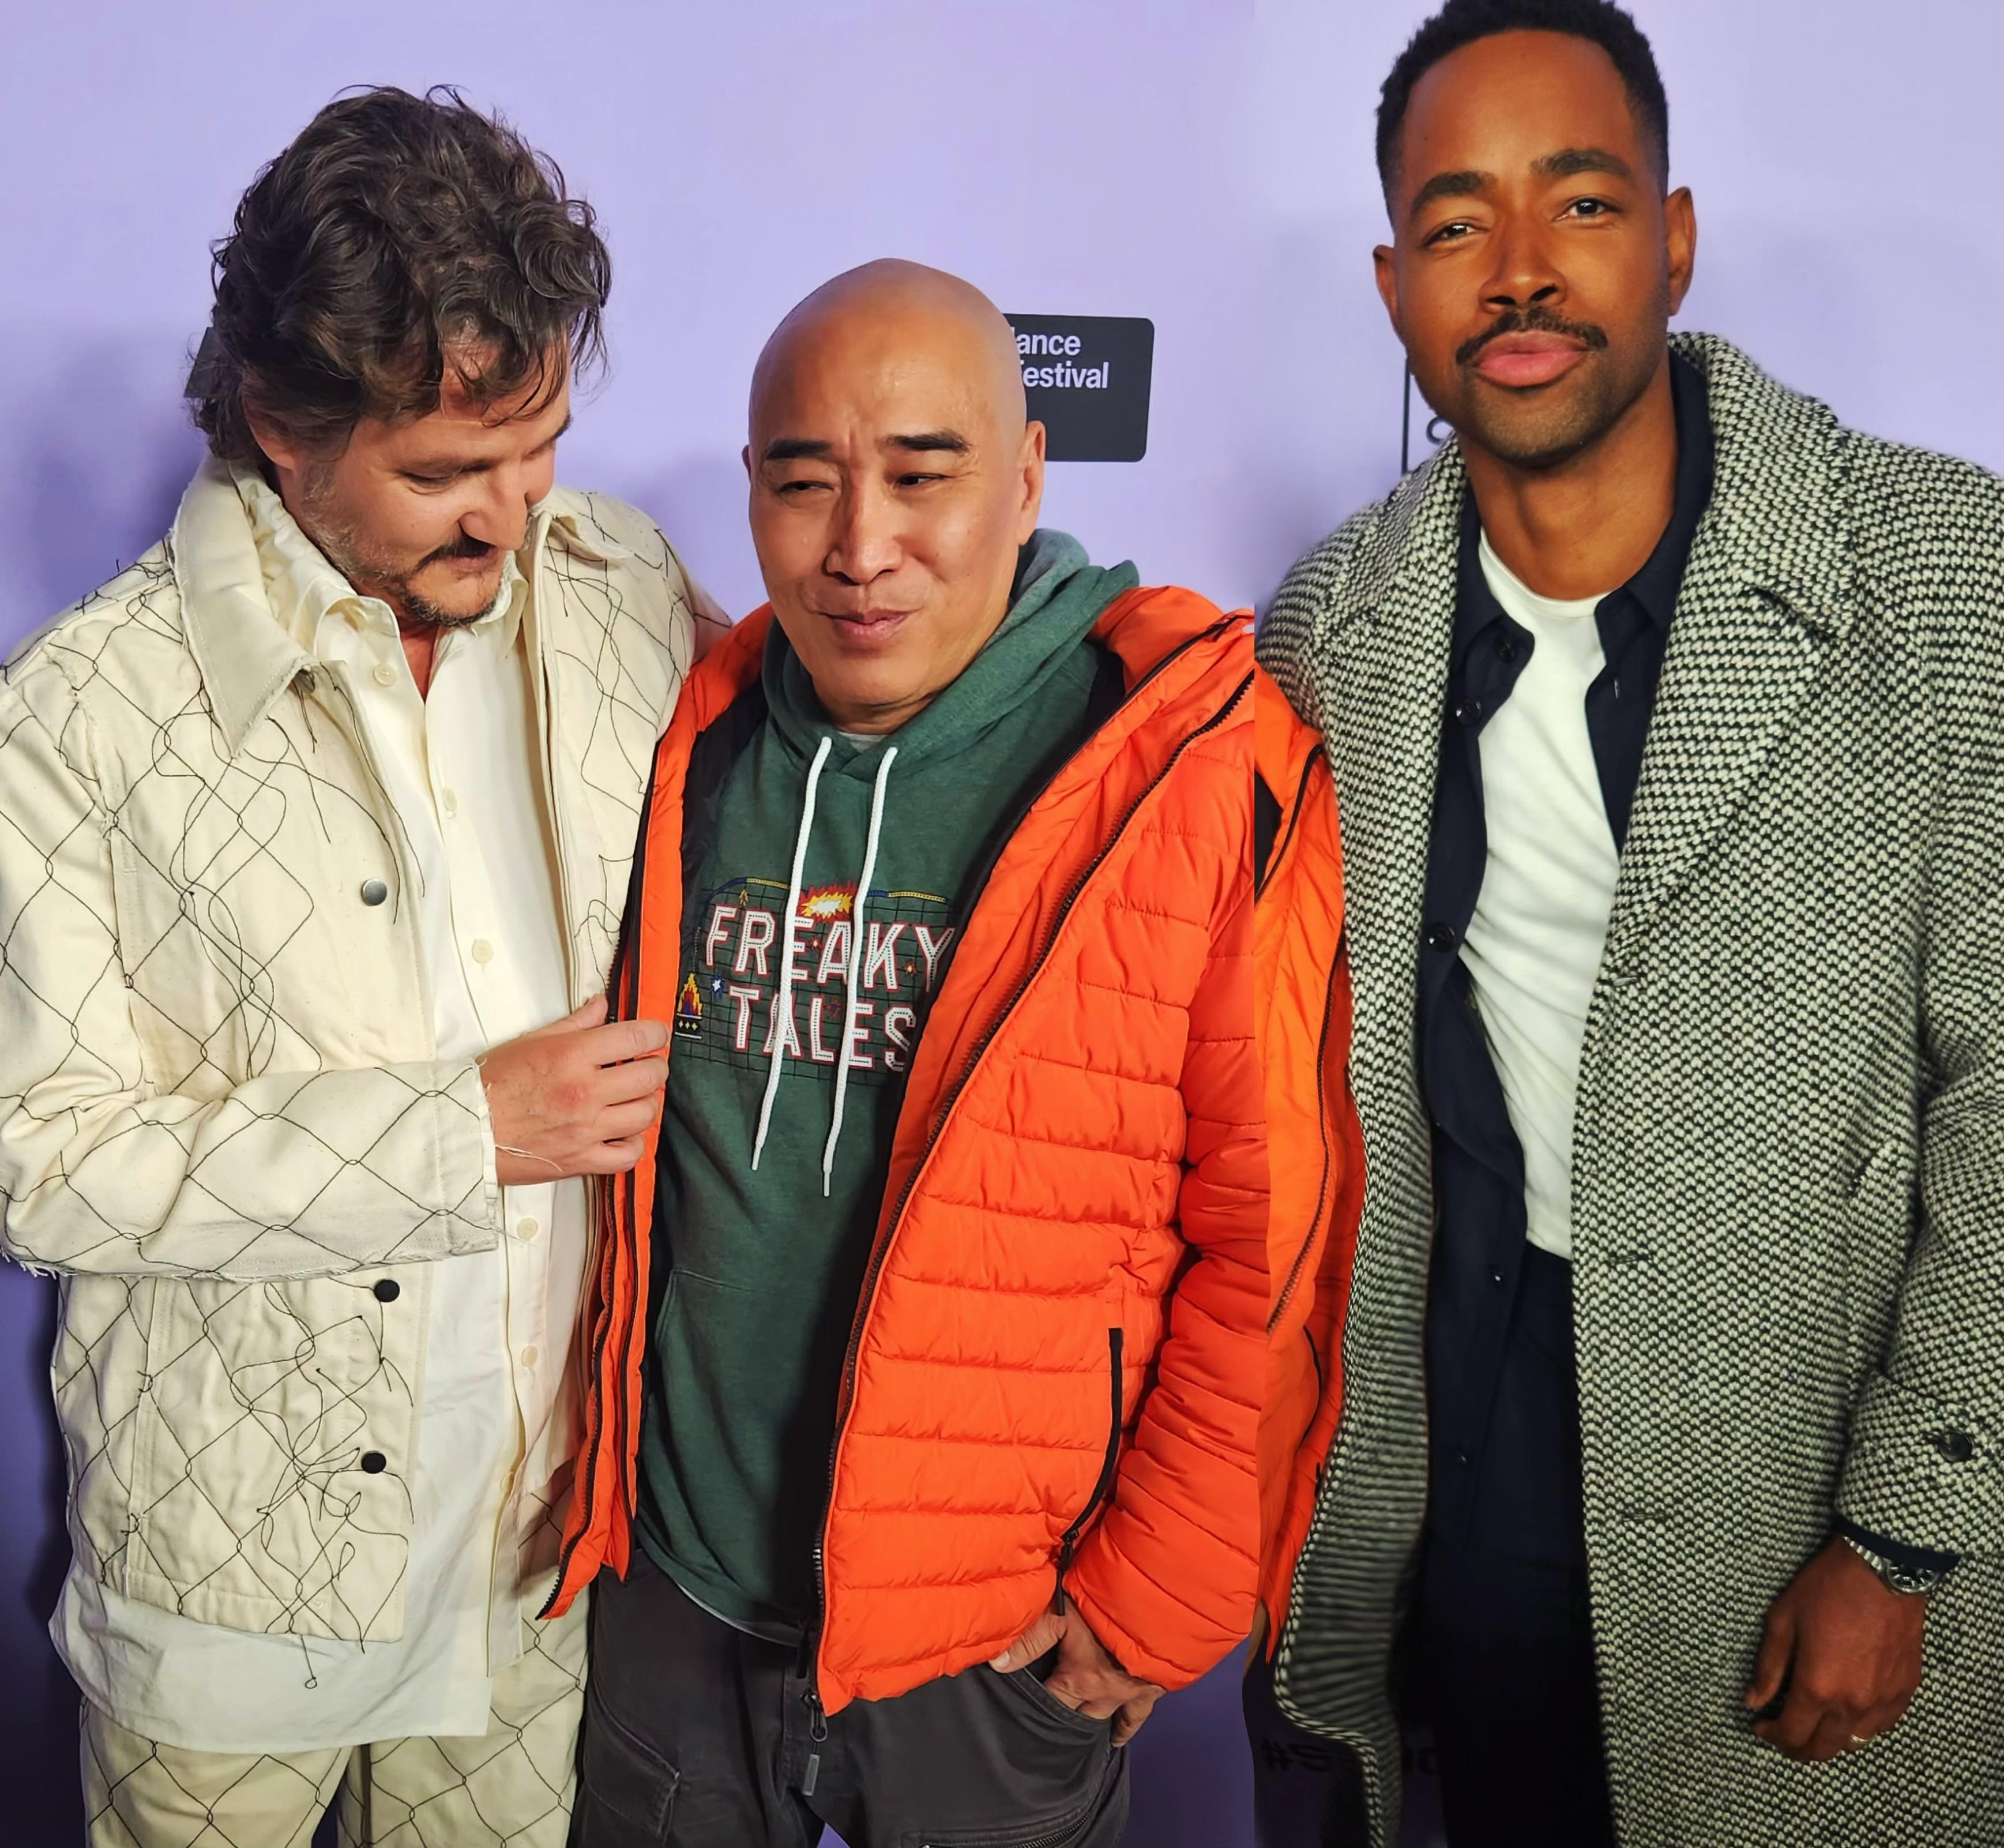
(770, 1174)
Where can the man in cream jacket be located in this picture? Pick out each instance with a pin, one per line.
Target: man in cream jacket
(314, 834)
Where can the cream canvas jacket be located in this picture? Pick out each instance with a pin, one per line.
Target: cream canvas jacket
(221, 1121)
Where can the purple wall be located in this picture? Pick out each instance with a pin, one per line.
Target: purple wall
(1205, 163)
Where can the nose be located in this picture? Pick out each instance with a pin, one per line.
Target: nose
(1525, 274)
(500, 517)
(864, 543)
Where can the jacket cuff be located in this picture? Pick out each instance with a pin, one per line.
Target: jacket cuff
(1923, 1470)
(1909, 1559)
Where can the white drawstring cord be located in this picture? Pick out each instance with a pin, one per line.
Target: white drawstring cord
(852, 975)
(783, 1007)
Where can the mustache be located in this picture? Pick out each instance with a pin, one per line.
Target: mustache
(465, 546)
(1532, 320)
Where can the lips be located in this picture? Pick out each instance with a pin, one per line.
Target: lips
(1522, 360)
(865, 629)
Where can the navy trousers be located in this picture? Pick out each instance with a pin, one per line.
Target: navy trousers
(1501, 1641)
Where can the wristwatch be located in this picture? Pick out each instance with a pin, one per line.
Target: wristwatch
(1909, 1581)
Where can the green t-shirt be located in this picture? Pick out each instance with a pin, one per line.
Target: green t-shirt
(759, 1271)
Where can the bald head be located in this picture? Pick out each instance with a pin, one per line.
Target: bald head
(893, 479)
(891, 313)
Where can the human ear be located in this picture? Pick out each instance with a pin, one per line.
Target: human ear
(1680, 244)
(1384, 266)
(1030, 461)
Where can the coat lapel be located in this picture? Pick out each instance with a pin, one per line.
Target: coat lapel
(1767, 590)
(1382, 659)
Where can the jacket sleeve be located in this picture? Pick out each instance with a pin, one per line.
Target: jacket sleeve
(1925, 1465)
(1166, 1581)
(292, 1174)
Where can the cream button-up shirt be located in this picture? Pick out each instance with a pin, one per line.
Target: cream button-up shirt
(500, 1398)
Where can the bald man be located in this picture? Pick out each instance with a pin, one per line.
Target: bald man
(930, 1334)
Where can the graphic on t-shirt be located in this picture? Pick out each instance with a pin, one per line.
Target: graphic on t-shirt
(728, 1008)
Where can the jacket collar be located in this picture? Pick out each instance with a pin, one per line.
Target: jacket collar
(246, 652)
(1140, 628)
(1775, 520)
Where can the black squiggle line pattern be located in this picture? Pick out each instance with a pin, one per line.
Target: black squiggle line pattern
(179, 997)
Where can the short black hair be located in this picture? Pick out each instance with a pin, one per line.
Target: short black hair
(399, 239)
(1462, 22)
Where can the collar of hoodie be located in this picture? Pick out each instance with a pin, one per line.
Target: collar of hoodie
(1057, 595)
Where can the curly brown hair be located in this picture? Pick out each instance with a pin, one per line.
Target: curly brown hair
(397, 237)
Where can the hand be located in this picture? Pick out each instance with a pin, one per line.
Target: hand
(1087, 1679)
(1848, 1649)
(575, 1097)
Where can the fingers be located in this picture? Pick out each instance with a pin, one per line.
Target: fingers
(614, 1157)
(581, 1018)
(622, 1122)
(634, 1078)
(1791, 1729)
(1038, 1641)
(620, 1040)
(1777, 1644)
(1132, 1714)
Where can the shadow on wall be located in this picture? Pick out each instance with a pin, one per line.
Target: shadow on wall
(699, 501)
(38, 1704)
(97, 450)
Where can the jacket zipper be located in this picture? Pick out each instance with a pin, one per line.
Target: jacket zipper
(1109, 1464)
(952, 1097)
(622, 991)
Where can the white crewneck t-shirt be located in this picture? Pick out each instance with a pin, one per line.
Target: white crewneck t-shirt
(1533, 946)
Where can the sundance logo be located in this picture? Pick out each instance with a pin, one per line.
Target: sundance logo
(1087, 378)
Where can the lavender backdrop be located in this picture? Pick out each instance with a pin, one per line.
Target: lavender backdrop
(1206, 163)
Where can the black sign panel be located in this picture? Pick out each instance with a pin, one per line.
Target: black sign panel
(1086, 376)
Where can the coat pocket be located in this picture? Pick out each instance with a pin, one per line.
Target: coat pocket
(1102, 1489)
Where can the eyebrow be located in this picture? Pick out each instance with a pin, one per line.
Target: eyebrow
(789, 449)
(451, 465)
(1568, 161)
(1468, 182)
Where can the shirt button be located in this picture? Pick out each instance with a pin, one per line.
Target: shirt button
(374, 892)
(1468, 712)
(385, 674)
(374, 1463)
(449, 800)
(388, 1289)
(1442, 935)
(1496, 1277)
(530, 1357)
(483, 951)
(526, 1229)
(1506, 648)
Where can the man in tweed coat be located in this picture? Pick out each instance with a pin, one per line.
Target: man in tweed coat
(1667, 719)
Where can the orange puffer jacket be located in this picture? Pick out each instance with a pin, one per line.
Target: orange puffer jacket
(1317, 1142)
(1052, 1384)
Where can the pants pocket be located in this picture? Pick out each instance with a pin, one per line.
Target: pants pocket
(1029, 1683)
(1068, 1833)
(626, 1790)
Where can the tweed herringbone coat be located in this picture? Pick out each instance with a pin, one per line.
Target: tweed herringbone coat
(1789, 1148)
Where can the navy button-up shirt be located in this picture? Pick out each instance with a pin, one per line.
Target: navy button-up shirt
(1479, 1251)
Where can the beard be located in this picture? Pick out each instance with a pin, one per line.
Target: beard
(1549, 425)
(372, 573)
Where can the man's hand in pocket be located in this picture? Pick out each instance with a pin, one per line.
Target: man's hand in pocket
(1086, 1678)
